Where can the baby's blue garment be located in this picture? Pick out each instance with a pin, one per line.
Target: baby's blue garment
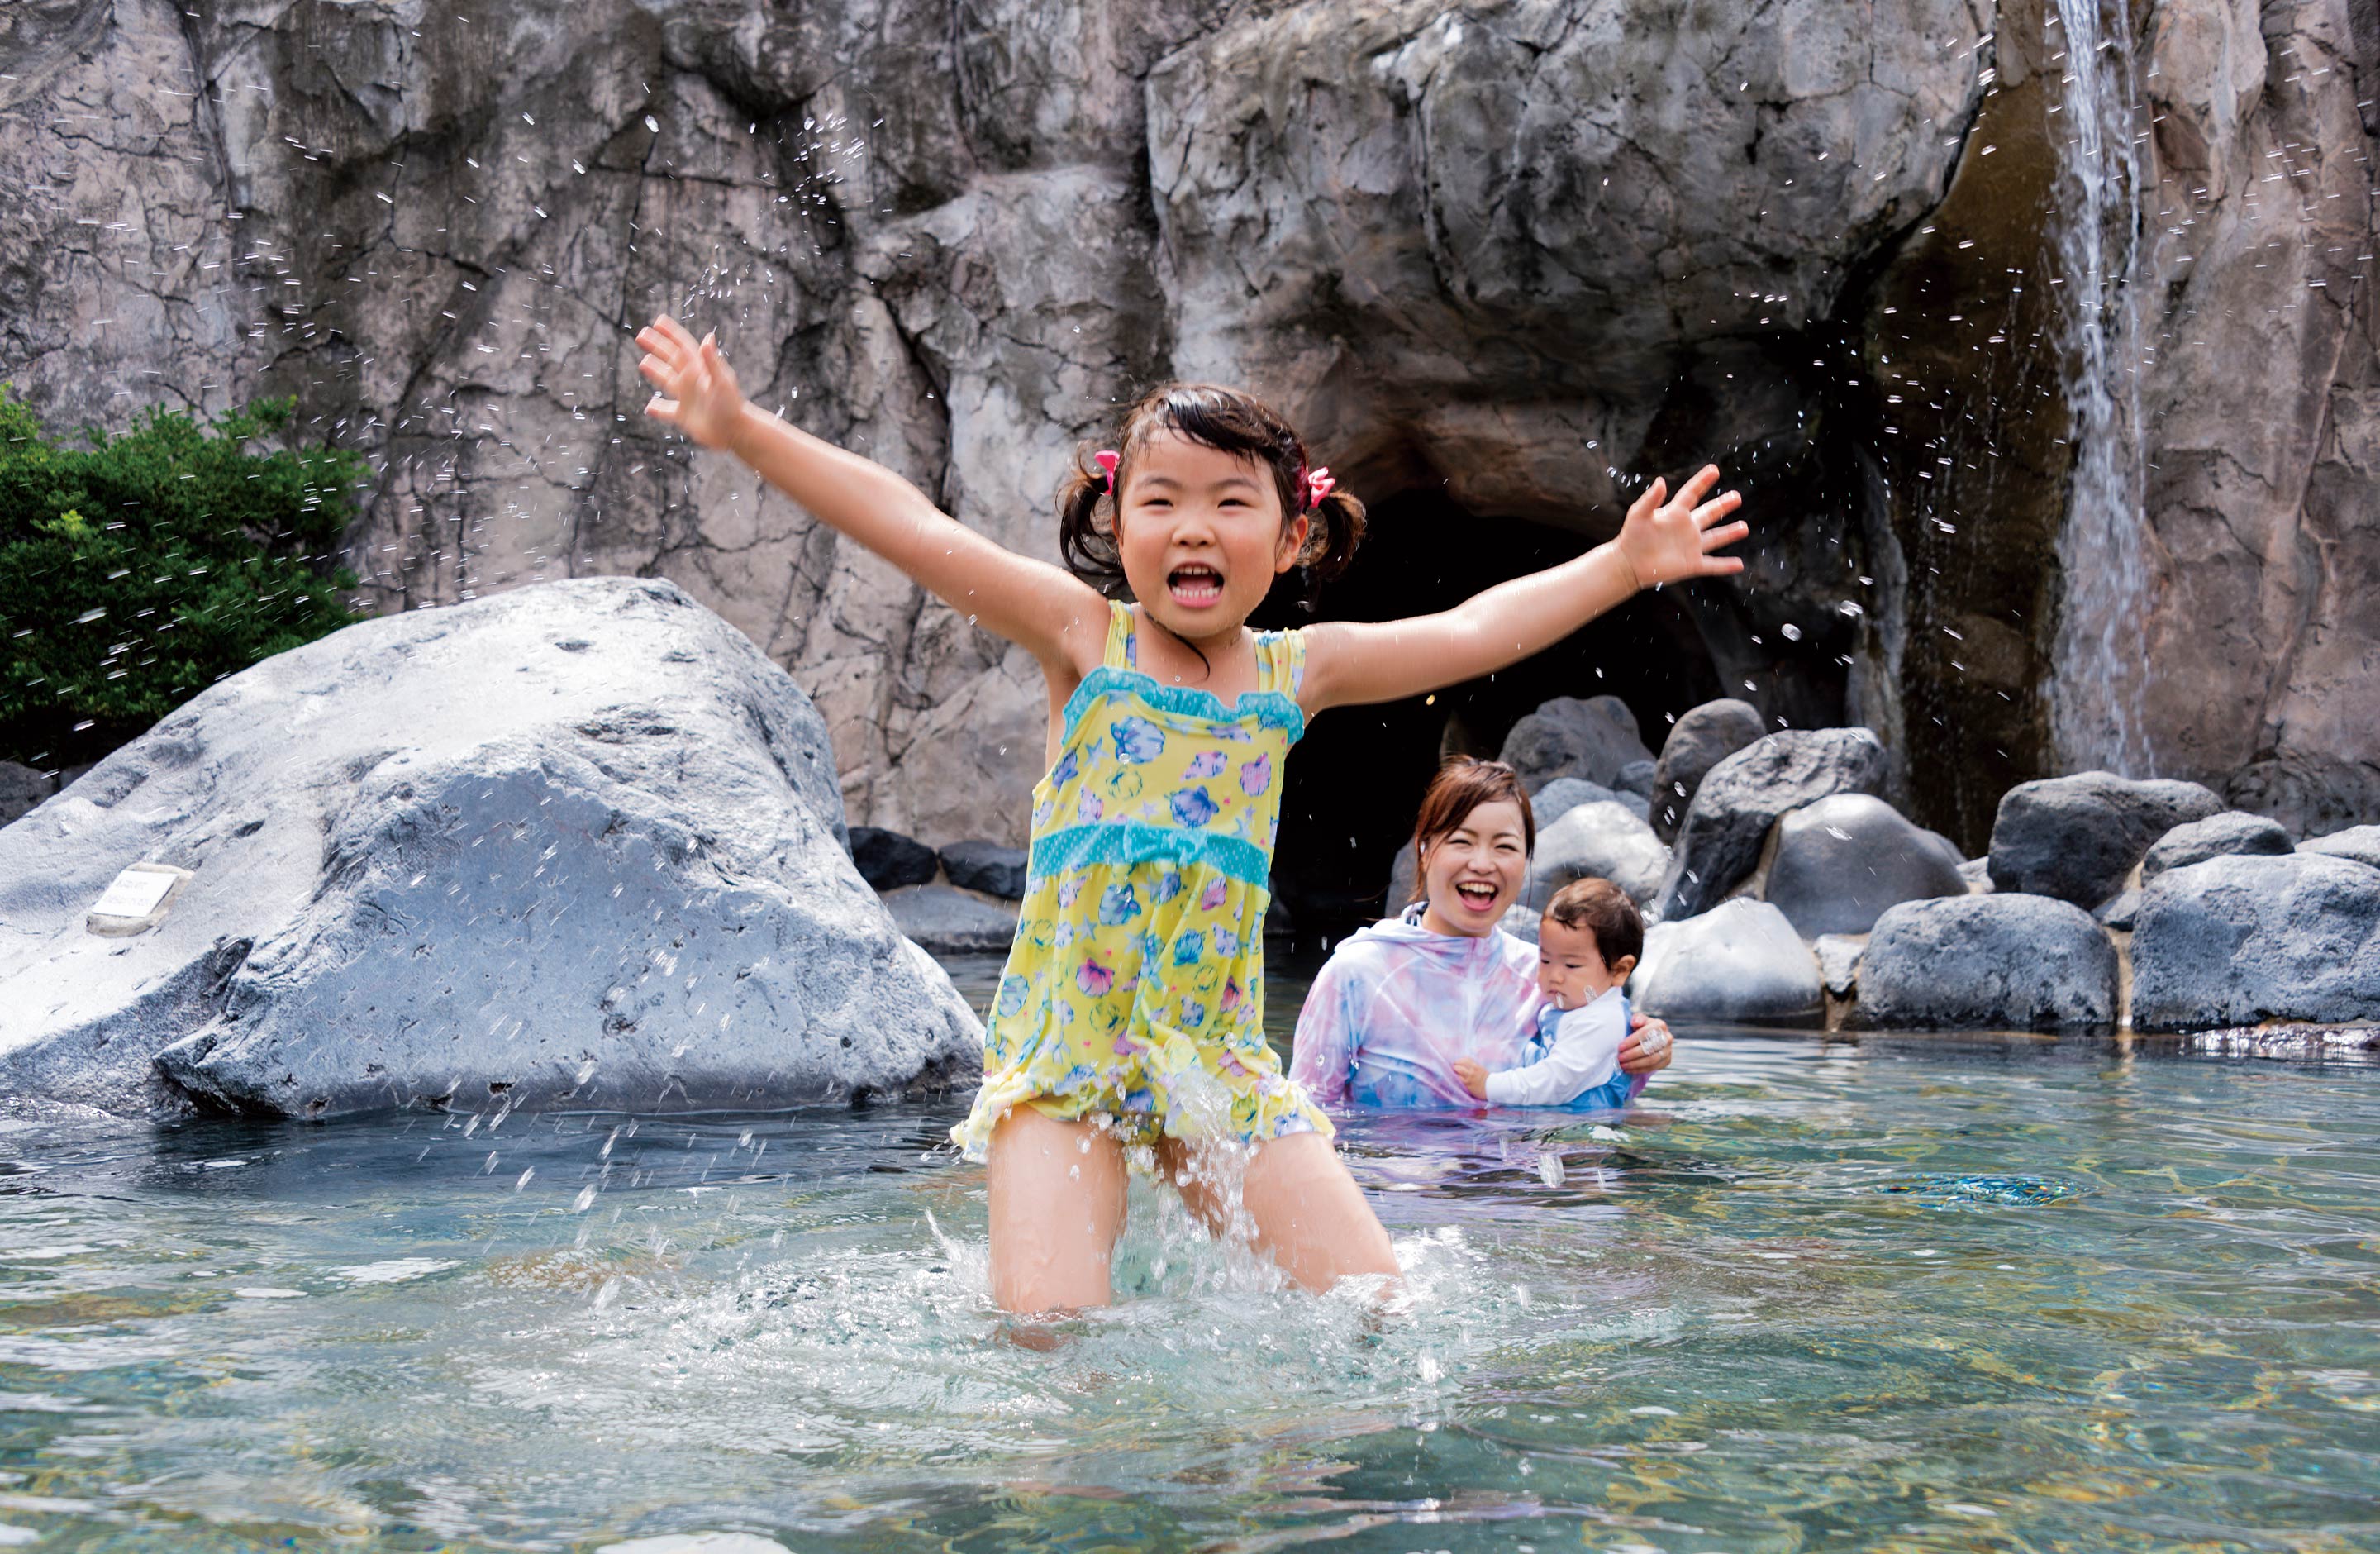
(1607, 1095)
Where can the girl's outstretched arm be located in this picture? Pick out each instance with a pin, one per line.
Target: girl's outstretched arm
(1662, 541)
(1057, 617)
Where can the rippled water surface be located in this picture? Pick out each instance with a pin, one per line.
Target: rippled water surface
(1899, 1295)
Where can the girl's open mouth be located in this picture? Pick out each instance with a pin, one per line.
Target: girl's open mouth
(1476, 894)
(1195, 586)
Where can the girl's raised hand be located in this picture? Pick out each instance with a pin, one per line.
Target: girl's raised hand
(698, 393)
(1668, 542)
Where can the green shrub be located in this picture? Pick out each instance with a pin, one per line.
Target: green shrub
(138, 571)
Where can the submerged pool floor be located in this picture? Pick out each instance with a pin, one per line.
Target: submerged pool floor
(1900, 1294)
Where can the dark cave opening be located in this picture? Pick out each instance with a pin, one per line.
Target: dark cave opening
(1357, 776)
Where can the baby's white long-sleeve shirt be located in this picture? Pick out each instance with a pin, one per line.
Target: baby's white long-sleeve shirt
(1585, 1053)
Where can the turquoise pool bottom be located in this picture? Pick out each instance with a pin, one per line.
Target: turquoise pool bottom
(1903, 1295)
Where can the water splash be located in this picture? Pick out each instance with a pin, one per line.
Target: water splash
(2100, 666)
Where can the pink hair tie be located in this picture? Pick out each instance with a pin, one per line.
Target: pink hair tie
(1318, 485)
(1106, 459)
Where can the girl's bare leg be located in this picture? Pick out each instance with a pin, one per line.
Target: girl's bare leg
(1057, 1206)
(1307, 1211)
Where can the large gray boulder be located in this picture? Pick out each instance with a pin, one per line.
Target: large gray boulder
(1747, 793)
(21, 788)
(888, 860)
(1739, 962)
(1404, 885)
(988, 867)
(2239, 939)
(1523, 922)
(1563, 794)
(2233, 833)
(1595, 740)
(944, 920)
(1839, 958)
(2357, 843)
(1700, 739)
(1842, 861)
(1604, 840)
(579, 843)
(2003, 962)
(2077, 838)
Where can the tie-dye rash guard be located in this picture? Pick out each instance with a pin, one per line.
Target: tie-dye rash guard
(1396, 1005)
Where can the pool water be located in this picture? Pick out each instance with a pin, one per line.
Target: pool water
(1896, 1295)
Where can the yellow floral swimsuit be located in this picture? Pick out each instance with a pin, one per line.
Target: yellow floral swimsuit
(1134, 995)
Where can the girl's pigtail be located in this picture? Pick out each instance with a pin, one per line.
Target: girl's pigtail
(1088, 550)
(1337, 530)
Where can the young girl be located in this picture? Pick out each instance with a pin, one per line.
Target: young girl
(1130, 1014)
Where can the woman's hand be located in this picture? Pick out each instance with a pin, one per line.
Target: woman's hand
(1473, 1078)
(1669, 540)
(1648, 1048)
(698, 392)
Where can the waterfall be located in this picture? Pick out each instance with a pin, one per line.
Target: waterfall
(2099, 668)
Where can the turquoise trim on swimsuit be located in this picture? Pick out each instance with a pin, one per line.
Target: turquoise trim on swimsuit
(1270, 708)
(1129, 841)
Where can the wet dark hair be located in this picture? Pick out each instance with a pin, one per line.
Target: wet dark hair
(1462, 786)
(1218, 417)
(1604, 910)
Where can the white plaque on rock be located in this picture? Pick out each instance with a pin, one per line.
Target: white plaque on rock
(137, 901)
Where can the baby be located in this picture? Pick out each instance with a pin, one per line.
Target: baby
(1587, 944)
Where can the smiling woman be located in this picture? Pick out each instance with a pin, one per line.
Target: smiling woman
(1401, 1004)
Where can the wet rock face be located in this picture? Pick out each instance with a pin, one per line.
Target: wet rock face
(1526, 253)
(1746, 794)
(2263, 436)
(2003, 962)
(952, 244)
(2076, 838)
(2241, 939)
(581, 844)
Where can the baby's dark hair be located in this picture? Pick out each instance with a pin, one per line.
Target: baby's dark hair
(1603, 909)
(1218, 418)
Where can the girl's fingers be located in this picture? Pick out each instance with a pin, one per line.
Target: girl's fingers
(663, 409)
(1711, 511)
(1652, 499)
(676, 332)
(1699, 485)
(1721, 567)
(657, 342)
(655, 370)
(1719, 539)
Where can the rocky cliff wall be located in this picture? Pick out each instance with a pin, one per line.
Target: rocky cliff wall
(1520, 256)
